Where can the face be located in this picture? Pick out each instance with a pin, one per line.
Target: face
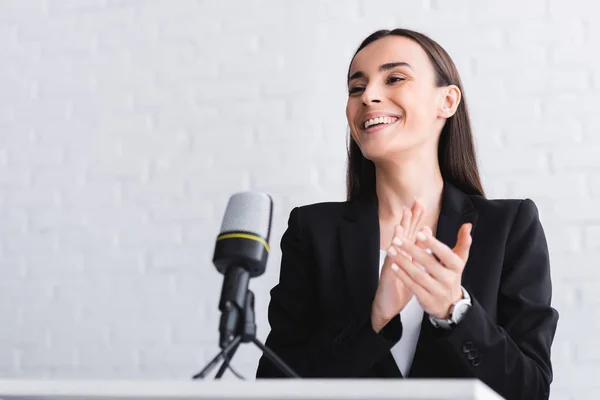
(392, 78)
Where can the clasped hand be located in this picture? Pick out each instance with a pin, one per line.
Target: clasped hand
(418, 264)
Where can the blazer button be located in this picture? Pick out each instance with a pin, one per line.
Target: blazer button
(468, 346)
(472, 354)
(476, 361)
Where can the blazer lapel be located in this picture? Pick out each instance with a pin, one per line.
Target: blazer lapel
(359, 241)
(359, 246)
(456, 210)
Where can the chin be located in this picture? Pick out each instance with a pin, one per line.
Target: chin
(375, 152)
(384, 153)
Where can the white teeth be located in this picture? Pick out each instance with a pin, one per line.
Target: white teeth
(379, 120)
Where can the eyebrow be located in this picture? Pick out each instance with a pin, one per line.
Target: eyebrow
(382, 67)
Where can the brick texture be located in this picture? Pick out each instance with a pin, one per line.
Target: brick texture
(126, 125)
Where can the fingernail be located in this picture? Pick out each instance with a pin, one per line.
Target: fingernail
(397, 241)
(395, 267)
(428, 251)
(421, 236)
(392, 251)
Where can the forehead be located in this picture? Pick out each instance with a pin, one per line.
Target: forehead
(391, 49)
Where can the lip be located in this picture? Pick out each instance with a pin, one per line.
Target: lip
(375, 114)
(377, 128)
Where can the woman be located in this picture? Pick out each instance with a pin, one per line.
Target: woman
(367, 290)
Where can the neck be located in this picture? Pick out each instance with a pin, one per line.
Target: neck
(408, 176)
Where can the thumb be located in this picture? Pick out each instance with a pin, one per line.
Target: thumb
(463, 243)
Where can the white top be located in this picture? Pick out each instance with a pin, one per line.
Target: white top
(411, 317)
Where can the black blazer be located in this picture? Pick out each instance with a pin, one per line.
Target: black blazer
(320, 310)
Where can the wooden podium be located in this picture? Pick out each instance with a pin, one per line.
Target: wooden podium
(313, 389)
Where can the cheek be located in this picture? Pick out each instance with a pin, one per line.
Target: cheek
(351, 111)
(420, 109)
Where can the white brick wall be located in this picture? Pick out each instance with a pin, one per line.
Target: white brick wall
(126, 125)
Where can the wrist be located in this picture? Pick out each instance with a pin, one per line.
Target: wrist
(457, 312)
(450, 308)
(377, 323)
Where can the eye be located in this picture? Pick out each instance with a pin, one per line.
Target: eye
(391, 79)
(394, 79)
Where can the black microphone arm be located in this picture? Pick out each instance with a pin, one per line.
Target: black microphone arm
(232, 303)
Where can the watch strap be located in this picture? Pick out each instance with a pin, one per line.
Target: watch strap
(453, 319)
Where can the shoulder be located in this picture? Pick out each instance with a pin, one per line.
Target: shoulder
(499, 212)
(321, 220)
(313, 221)
(322, 213)
(515, 222)
(510, 210)
(327, 208)
(502, 205)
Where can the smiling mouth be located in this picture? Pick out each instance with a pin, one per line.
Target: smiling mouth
(380, 126)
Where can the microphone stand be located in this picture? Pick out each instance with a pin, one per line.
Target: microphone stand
(246, 333)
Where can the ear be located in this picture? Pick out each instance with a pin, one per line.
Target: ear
(449, 101)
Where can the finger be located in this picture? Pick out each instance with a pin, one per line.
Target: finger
(422, 295)
(401, 222)
(463, 242)
(446, 255)
(420, 255)
(399, 232)
(427, 230)
(406, 219)
(417, 213)
(397, 243)
(419, 276)
(396, 249)
(405, 254)
(423, 257)
(421, 221)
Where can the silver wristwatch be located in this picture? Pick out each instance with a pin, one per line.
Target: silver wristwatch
(459, 309)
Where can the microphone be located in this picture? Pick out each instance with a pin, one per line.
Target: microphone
(241, 253)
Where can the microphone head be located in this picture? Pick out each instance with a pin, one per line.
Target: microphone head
(248, 212)
(243, 240)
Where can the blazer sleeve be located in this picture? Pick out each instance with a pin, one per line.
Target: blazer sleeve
(345, 346)
(513, 356)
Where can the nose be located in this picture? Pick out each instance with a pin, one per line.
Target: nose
(370, 95)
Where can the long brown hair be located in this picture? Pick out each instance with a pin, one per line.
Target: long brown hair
(456, 151)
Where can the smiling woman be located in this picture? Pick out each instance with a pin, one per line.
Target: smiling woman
(417, 274)
(423, 95)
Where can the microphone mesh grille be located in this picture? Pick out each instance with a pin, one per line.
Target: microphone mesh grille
(248, 212)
